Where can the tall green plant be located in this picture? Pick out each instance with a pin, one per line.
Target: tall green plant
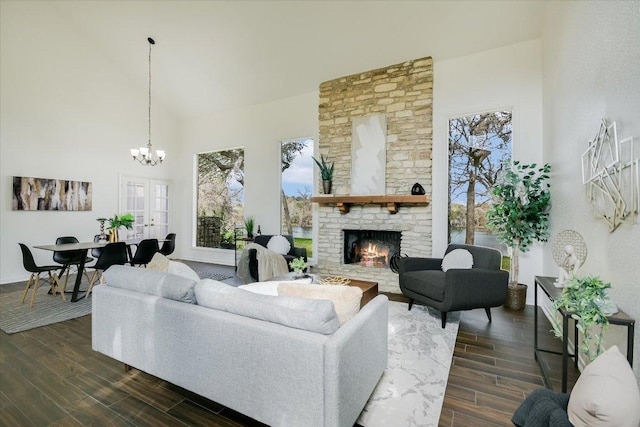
(585, 299)
(326, 169)
(519, 215)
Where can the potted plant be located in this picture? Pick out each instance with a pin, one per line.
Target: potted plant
(298, 265)
(519, 216)
(124, 220)
(587, 301)
(326, 172)
(227, 239)
(249, 223)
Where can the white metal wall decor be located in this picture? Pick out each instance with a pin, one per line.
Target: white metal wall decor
(611, 174)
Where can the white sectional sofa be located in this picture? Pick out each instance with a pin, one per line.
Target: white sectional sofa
(283, 361)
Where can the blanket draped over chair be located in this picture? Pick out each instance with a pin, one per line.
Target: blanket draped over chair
(270, 264)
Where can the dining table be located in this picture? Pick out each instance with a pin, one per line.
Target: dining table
(84, 248)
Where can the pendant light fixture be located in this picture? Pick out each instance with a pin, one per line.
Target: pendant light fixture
(147, 155)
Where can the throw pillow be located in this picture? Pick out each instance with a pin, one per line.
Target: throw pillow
(310, 315)
(159, 262)
(345, 299)
(606, 393)
(457, 258)
(182, 269)
(279, 244)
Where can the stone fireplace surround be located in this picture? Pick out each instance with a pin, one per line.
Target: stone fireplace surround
(404, 93)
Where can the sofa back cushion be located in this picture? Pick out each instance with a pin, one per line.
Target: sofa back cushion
(307, 314)
(151, 282)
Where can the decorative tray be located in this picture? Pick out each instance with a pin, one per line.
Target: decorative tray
(334, 280)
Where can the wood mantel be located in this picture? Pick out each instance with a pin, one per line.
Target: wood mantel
(391, 202)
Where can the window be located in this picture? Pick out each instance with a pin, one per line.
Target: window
(297, 188)
(479, 145)
(220, 197)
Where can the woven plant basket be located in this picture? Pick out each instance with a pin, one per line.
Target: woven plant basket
(516, 297)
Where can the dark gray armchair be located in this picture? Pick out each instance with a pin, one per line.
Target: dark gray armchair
(482, 286)
(263, 240)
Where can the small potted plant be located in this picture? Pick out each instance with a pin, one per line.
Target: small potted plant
(298, 265)
(249, 223)
(326, 172)
(124, 220)
(519, 216)
(587, 301)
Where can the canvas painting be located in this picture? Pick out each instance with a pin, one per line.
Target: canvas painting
(369, 155)
(42, 194)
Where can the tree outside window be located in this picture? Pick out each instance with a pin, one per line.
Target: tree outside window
(220, 197)
(297, 188)
(479, 145)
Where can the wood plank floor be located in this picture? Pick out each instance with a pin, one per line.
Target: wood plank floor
(50, 376)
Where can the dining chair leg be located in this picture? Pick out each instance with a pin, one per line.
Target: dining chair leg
(56, 283)
(91, 282)
(26, 290)
(35, 289)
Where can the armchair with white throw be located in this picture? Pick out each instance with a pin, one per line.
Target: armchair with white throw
(468, 277)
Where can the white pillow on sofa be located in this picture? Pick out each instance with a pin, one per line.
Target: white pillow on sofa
(279, 244)
(606, 393)
(345, 299)
(457, 258)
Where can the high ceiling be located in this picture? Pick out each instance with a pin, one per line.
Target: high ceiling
(212, 55)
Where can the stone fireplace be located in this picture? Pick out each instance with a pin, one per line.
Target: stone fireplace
(403, 92)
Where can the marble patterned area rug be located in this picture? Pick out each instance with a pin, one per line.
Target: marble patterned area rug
(47, 309)
(411, 390)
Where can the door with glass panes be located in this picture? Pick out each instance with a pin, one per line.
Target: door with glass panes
(148, 201)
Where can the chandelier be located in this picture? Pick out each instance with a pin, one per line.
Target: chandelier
(147, 155)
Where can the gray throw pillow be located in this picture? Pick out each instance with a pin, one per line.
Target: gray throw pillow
(300, 313)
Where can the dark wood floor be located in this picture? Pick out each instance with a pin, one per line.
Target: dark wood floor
(50, 376)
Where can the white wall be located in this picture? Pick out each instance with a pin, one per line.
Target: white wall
(508, 77)
(591, 71)
(259, 129)
(65, 113)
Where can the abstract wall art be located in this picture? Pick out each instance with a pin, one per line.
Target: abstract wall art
(368, 155)
(610, 174)
(43, 194)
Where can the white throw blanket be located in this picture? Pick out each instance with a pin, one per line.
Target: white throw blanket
(270, 263)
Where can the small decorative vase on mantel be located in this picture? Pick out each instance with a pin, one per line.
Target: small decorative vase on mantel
(326, 186)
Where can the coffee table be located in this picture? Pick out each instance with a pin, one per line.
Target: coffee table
(369, 290)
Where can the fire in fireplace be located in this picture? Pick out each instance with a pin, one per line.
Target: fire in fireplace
(370, 248)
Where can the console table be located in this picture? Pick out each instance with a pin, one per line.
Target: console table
(619, 318)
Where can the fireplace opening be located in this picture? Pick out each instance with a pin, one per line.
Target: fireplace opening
(370, 248)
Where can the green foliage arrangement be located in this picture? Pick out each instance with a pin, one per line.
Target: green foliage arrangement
(519, 215)
(124, 220)
(326, 169)
(249, 223)
(585, 298)
(298, 264)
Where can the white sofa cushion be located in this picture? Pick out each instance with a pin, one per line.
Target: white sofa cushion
(345, 299)
(151, 282)
(606, 393)
(300, 313)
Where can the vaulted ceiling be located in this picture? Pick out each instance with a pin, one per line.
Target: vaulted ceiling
(212, 55)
